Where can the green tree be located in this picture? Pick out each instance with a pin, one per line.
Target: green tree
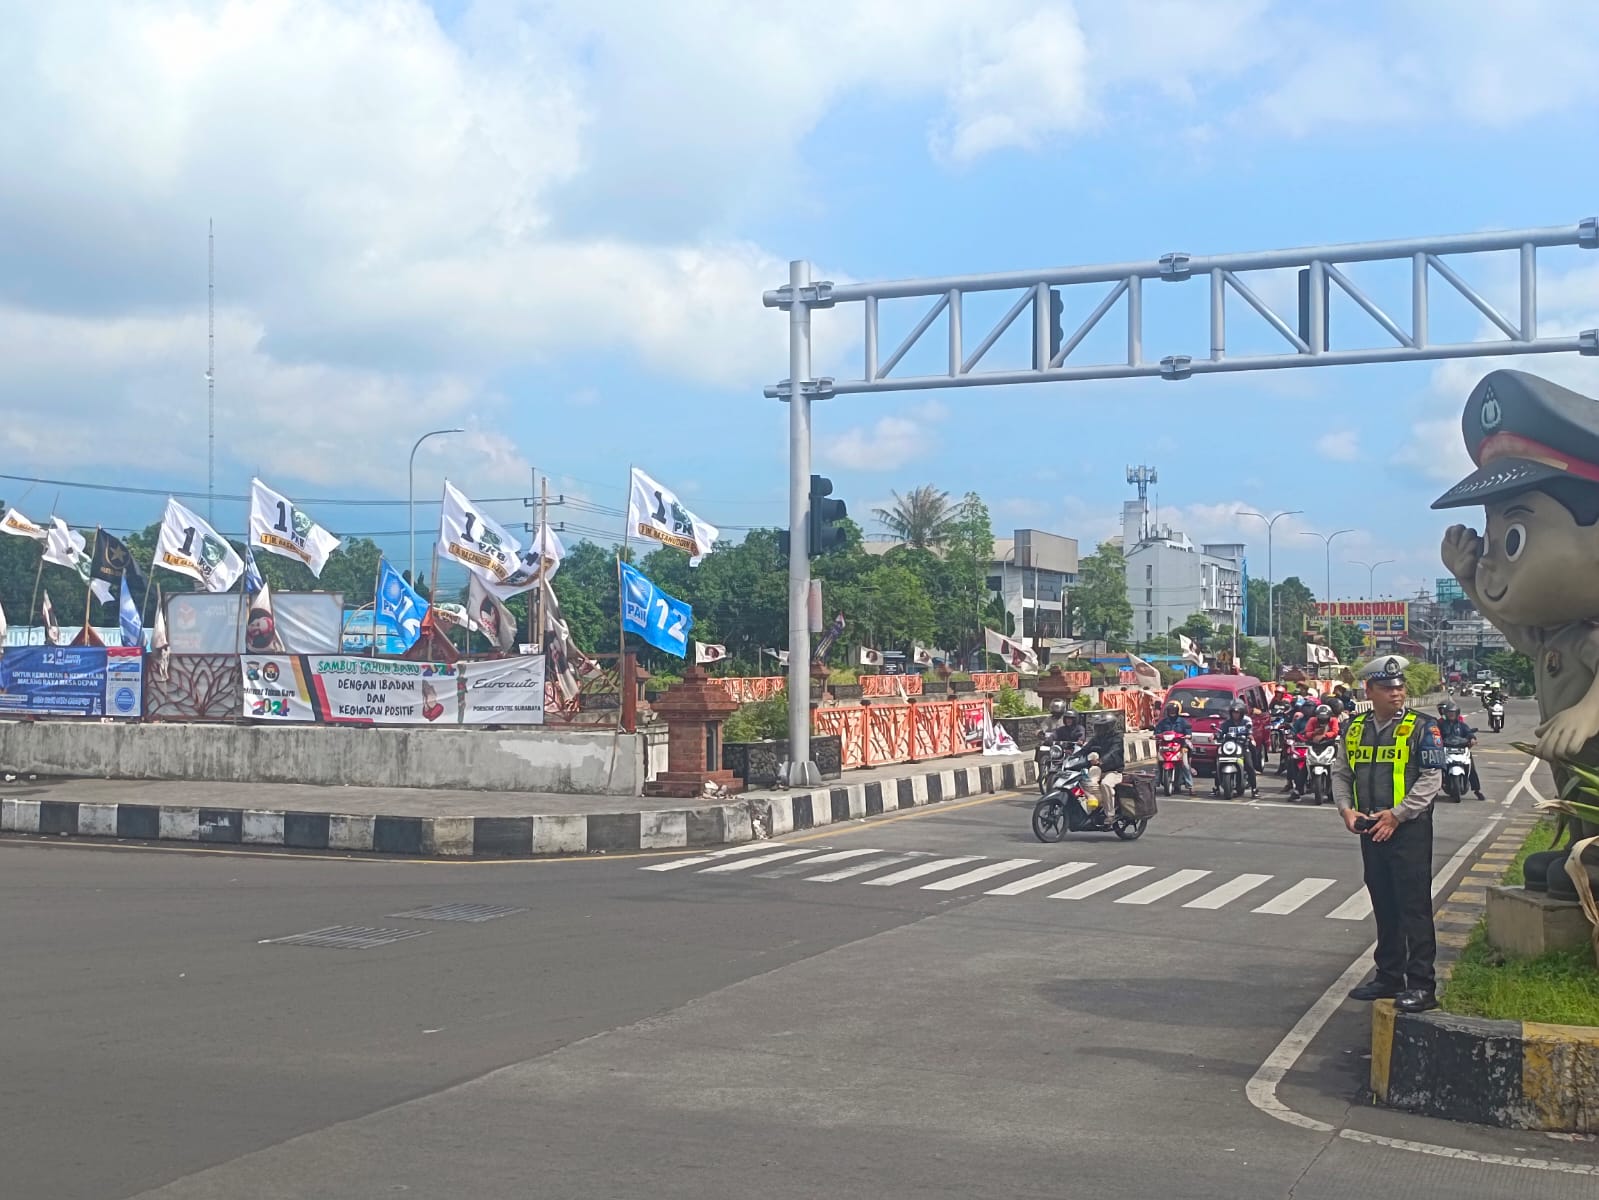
(923, 517)
(1347, 641)
(1099, 604)
(1513, 669)
(1259, 608)
(1296, 611)
(1198, 627)
(968, 551)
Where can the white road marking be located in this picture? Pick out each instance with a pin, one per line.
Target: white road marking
(1295, 897)
(1356, 908)
(1099, 884)
(1219, 897)
(920, 869)
(1163, 887)
(796, 868)
(864, 868)
(1262, 1087)
(745, 864)
(746, 848)
(1029, 882)
(979, 874)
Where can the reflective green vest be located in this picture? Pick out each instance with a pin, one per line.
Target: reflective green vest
(1366, 762)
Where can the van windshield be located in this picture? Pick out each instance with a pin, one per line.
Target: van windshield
(1200, 702)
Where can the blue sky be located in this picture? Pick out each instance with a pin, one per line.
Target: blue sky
(551, 223)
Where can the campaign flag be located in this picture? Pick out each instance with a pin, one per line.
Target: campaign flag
(188, 546)
(261, 626)
(870, 657)
(921, 656)
(398, 610)
(564, 662)
(549, 548)
(1190, 650)
(834, 632)
(47, 612)
(1144, 673)
(112, 563)
(128, 617)
(276, 525)
(494, 621)
(661, 620)
(160, 644)
(18, 525)
(482, 545)
(252, 574)
(654, 511)
(63, 546)
(3, 627)
(1017, 656)
(705, 652)
(780, 655)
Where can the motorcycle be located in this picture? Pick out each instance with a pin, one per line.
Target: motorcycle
(1230, 768)
(1496, 716)
(1067, 807)
(1457, 771)
(1319, 762)
(1298, 754)
(1172, 746)
(1279, 743)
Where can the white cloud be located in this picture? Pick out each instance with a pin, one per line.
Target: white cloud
(1341, 445)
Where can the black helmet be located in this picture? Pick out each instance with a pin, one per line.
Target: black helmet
(1173, 708)
(1104, 721)
(1449, 709)
(1323, 711)
(1236, 708)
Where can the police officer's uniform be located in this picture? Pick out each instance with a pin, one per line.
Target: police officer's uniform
(1395, 766)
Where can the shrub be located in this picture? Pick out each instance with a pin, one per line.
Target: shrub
(758, 721)
(1422, 679)
(1011, 703)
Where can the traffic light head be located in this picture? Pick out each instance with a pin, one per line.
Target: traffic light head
(825, 516)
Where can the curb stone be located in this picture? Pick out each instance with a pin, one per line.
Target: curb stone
(776, 815)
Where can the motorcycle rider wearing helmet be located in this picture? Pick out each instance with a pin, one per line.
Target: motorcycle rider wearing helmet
(1107, 758)
(1237, 726)
(1322, 726)
(1173, 721)
(1070, 729)
(1454, 731)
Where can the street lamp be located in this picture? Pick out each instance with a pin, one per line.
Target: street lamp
(1271, 589)
(410, 502)
(1371, 570)
(1327, 540)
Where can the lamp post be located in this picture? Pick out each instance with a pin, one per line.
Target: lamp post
(410, 494)
(1271, 587)
(1371, 570)
(1327, 541)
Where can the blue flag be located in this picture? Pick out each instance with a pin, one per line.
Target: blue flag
(128, 611)
(661, 620)
(253, 582)
(399, 610)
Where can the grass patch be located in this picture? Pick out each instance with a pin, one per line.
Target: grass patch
(1560, 988)
(1541, 838)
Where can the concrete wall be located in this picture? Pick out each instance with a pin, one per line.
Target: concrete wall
(542, 760)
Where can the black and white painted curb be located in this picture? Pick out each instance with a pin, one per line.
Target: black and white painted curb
(712, 824)
(438, 837)
(780, 814)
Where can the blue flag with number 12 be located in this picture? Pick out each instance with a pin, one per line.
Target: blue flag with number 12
(661, 620)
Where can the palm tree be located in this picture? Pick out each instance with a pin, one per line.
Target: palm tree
(923, 518)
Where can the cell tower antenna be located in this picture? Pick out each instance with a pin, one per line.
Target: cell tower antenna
(1141, 477)
(210, 371)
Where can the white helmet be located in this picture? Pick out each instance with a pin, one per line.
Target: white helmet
(1057, 708)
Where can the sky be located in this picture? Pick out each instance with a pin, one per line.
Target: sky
(550, 223)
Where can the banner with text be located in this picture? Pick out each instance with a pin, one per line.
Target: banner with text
(503, 691)
(348, 691)
(71, 681)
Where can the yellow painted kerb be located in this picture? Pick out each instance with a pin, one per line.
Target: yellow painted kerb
(1382, 1047)
(1560, 1076)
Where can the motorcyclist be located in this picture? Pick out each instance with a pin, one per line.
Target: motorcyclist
(1107, 757)
(1346, 701)
(1069, 731)
(1237, 725)
(1173, 721)
(1323, 725)
(1304, 713)
(1491, 696)
(1454, 732)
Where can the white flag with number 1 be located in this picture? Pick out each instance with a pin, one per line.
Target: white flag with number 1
(276, 525)
(189, 546)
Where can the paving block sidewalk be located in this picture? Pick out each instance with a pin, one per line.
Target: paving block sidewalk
(465, 824)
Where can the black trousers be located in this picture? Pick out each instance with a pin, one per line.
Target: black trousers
(1399, 880)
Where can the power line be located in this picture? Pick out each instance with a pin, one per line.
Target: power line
(196, 495)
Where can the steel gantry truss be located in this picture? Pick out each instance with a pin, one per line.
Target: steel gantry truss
(1306, 339)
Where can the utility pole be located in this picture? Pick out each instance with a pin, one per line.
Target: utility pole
(210, 371)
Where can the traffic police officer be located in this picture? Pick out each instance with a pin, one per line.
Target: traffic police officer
(1388, 771)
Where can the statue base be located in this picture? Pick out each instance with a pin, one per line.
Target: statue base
(1525, 924)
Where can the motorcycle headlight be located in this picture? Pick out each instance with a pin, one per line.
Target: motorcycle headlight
(1229, 748)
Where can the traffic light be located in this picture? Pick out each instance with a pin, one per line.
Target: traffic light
(1057, 335)
(825, 516)
(782, 543)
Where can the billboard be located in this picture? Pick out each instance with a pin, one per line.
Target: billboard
(1377, 618)
(72, 681)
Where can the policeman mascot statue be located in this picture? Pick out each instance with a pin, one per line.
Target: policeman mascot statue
(1534, 570)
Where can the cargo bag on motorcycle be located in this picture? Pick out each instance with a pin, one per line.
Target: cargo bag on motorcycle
(1135, 796)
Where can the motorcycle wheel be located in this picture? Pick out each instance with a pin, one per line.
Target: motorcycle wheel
(1453, 788)
(1043, 783)
(1226, 787)
(1129, 831)
(1323, 790)
(1049, 819)
(1166, 778)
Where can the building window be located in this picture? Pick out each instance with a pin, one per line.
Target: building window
(1149, 572)
(1149, 595)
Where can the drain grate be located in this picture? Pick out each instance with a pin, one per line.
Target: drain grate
(345, 937)
(457, 912)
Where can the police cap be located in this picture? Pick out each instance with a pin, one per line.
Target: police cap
(1388, 669)
(1523, 431)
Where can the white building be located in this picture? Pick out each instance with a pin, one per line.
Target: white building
(1033, 572)
(1169, 578)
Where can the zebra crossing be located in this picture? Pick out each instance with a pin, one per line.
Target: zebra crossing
(1135, 884)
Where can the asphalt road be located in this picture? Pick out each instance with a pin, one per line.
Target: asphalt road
(728, 1026)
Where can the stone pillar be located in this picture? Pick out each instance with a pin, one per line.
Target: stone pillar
(694, 711)
(1053, 686)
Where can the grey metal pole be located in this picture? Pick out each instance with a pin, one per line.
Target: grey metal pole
(1371, 571)
(410, 493)
(1271, 585)
(802, 771)
(1327, 541)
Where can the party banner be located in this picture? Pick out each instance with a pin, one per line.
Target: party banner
(68, 681)
(348, 691)
(503, 691)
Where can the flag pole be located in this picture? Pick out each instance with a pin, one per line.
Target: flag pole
(88, 584)
(621, 611)
(377, 583)
(544, 516)
(34, 603)
(433, 591)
